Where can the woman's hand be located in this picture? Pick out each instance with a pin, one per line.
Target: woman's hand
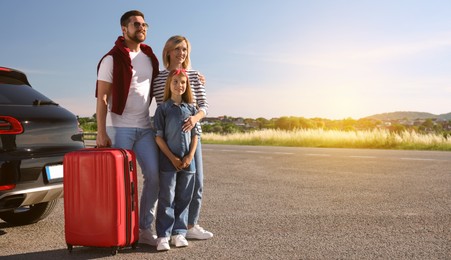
(202, 79)
(190, 122)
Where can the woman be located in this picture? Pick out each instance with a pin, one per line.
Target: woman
(176, 55)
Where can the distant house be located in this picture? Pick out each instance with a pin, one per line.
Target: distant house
(239, 121)
(407, 122)
(210, 120)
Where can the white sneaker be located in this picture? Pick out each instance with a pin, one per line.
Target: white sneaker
(147, 237)
(197, 232)
(163, 244)
(179, 241)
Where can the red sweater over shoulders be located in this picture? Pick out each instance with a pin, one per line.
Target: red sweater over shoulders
(122, 73)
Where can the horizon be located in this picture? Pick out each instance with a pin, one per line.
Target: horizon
(374, 115)
(312, 59)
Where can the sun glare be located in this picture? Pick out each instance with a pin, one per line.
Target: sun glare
(343, 102)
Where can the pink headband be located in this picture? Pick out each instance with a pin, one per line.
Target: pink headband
(178, 71)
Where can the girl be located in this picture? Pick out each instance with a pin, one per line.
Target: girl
(177, 168)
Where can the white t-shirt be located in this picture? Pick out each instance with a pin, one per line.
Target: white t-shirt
(136, 111)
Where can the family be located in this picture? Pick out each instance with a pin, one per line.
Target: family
(168, 150)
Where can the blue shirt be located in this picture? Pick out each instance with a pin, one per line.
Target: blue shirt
(169, 119)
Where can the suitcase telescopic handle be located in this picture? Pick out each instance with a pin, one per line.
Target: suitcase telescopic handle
(130, 166)
(132, 193)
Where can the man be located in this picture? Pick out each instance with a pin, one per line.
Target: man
(124, 92)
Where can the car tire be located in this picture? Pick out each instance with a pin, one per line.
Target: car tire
(30, 214)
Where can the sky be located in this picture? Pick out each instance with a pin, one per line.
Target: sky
(331, 59)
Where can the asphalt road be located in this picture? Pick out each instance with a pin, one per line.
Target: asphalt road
(294, 203)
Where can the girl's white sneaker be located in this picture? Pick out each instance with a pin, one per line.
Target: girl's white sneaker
(163, 244)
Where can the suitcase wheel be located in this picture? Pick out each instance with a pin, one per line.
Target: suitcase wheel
(114, 250)
(70, 247)
(134, 245)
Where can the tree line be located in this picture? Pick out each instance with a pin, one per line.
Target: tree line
(226, 124)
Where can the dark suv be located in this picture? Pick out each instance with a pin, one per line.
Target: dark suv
(35, 133)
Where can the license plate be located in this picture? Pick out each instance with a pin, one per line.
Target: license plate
(54, 172)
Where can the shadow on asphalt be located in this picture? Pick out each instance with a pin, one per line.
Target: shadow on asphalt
(81, 252)
(2, 226)
(5, 225)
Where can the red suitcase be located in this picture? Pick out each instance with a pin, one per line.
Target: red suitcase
(101, 198)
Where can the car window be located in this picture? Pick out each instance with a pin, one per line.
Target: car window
(19, 95)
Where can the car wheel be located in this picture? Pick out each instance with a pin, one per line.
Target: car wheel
(29, 214)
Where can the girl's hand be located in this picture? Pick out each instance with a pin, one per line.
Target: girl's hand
(186, 161)
(178, 164)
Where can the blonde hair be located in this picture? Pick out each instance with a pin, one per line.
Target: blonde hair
(187, 97)
(171, 44)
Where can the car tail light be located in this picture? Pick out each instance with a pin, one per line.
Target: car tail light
(10, 126)
(7, 187)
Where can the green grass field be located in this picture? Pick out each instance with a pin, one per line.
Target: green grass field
(377, 139)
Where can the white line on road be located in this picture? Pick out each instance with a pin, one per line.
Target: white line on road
(254, 152)
(317, 154)
(420, 159)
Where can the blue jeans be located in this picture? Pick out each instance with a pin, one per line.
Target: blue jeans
(196, 202)
(142, 142)
(176, 190)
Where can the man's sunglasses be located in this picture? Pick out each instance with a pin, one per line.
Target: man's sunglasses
(138, 24)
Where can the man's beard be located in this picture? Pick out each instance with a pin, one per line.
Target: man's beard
(135, 37)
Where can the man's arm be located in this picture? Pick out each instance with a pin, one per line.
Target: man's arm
(103, 93)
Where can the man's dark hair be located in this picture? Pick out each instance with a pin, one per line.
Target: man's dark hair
(126, 17)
